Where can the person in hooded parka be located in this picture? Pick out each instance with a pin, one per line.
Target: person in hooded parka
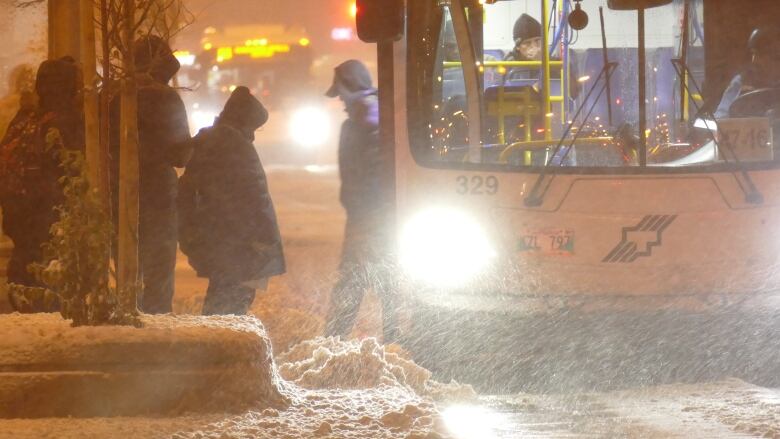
(227, 221)
(30, 190)
(366, 251)
(164, 136)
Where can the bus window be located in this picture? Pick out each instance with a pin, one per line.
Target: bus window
(449, 124)
(571, 116)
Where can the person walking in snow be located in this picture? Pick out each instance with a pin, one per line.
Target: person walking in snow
(227, 221)
(366, 246)
(30, 170)
(164, 136)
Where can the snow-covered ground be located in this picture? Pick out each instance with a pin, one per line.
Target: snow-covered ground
(384, 406)
(383, 395)
(358, 389)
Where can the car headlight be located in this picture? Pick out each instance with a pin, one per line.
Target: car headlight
(202, 119)
(444, 247)
(309, 126)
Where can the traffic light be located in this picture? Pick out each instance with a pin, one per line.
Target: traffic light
(379, 20)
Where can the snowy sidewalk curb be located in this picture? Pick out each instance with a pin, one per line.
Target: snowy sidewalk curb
(173, 364)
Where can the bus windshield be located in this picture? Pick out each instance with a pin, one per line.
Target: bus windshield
(549, 95)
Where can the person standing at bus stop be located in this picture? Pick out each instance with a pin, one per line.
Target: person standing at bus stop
(366, 247)
(227, 222)
(164, 144)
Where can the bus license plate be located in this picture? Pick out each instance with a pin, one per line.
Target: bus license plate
(549, 242)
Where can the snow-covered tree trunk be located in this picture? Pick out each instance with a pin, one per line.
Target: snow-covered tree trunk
(97, 159)
(127, 270)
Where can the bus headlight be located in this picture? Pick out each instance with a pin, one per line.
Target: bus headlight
(309, 127)
(444, 247)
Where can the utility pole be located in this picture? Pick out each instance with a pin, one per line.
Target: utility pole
(63, 21)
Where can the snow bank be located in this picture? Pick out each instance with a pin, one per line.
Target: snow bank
(332, 363)
(173, 363)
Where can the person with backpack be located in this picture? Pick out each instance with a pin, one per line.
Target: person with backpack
(227, 221)
(30, 170)
(367, 242)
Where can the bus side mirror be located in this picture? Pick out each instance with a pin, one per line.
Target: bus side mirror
(380, 20)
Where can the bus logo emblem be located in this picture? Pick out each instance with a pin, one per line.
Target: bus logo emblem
(638, 241)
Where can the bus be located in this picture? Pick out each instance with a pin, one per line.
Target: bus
(597, 196)
(275, 62)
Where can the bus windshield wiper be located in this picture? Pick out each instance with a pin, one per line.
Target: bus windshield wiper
(536, 197)
(684, 74)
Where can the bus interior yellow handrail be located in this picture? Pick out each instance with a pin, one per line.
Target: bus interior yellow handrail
(505, 63)
(542, 144)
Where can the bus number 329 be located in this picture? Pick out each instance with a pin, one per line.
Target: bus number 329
(477, 185)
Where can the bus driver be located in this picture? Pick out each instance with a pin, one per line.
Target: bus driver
(762, 73)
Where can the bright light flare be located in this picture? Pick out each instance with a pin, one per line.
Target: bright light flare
(309, 127)
(202, 118)
(472, 422)
(185, 58)
(444, 247)
(341, 34)
(353, 9)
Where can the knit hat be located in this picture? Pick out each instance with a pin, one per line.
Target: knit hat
(526, 27)
(764, 40)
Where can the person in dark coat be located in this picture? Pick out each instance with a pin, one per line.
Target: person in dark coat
(164, 136)
(527, 34)
(228, 226)
(763, 72)
(366, 247)
(30, 170)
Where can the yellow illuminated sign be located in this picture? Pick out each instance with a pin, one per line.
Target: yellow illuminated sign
(258, 51)
(257, 42)
(224, 54)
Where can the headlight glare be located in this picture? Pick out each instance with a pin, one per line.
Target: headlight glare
(444, 247)
(309, 127)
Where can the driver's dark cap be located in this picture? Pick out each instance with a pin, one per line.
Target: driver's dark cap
(349, 77)
(764, 40)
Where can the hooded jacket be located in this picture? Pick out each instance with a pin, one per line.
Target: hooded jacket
(29, 164)
(227, 221)
(163, 129)
(30, 167)
(359, 155)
